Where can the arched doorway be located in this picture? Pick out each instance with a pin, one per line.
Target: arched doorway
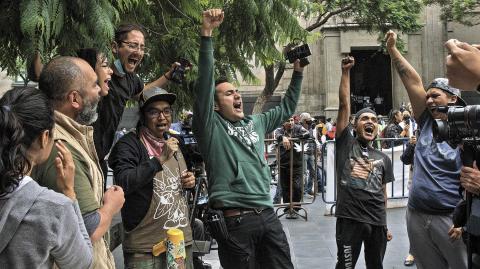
(371, 81)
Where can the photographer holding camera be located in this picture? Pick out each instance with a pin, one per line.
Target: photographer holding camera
(434, 192)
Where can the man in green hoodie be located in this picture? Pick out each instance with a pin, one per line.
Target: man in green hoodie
(232, 146)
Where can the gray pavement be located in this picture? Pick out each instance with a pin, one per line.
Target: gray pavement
(313, 244)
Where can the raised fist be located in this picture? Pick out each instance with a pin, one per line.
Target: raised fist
(391, 39)
(211, 19)
(347, 63)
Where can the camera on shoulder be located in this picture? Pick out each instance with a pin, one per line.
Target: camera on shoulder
(463, 123)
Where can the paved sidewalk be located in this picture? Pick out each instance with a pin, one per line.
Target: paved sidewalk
(313, 244)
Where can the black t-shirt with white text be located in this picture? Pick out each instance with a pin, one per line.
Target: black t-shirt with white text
(361, 174)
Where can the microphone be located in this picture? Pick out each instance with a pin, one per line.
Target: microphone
(166, 136)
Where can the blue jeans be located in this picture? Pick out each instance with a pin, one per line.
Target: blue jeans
(310, 167)
(256, 241)
(321, 179)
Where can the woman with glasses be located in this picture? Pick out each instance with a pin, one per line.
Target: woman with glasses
(153, 173)
(38, 227)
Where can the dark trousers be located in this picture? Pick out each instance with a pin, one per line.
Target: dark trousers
(296, 186)
(256, 241)
(350, 236)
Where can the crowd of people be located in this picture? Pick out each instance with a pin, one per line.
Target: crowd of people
(56, 142)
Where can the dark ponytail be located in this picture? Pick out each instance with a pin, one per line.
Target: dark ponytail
(24, 114)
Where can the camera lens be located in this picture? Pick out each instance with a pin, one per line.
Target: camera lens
(440, 130)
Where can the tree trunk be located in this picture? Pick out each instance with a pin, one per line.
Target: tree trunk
(271, 83)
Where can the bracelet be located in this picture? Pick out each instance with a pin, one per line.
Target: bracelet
(168, 78)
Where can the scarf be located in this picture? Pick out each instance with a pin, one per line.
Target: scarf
(153, 144)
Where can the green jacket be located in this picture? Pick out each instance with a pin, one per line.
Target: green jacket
(238, 174)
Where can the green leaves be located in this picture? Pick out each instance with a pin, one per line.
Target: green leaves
(54, 26)
(462, 11)
(253, 33)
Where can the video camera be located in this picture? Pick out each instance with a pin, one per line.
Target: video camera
(463, 123)
(178, 73)
(463, 126)
(299, 52)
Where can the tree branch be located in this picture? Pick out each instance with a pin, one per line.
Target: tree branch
(327, 17)
(279, 74)
(269, 79)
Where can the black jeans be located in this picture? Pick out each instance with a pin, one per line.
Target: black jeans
(296, 186)
(351, 234)
(256, 241)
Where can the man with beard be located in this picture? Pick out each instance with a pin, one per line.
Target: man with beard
(71, 85)
(362, 173)
(232, 146)
(434, 192)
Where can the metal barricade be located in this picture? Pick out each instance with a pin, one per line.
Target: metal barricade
(393, 147)
(272, 155)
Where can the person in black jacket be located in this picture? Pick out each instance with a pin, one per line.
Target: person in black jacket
(153, 173)
(283, 135)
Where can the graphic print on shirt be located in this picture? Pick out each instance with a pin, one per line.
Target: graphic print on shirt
(366, 174)
(167, 189)
(246, 133)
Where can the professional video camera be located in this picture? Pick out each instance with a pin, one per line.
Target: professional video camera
(178, 73)
(463, 123)
(299, 52)
(463, 127)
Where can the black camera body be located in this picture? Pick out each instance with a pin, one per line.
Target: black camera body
(462, 123)
(178, 73)
(300, 52)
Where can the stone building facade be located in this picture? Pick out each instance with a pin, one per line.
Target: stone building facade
(373, 75)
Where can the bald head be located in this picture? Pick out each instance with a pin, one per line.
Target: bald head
(61, 76)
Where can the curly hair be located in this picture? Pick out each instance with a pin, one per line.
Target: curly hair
(24, 114)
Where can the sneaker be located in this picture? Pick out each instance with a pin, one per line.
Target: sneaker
(409, 260)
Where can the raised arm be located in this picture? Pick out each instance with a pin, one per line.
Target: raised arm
(463, 65)
(410, 78)
(344, 95)
(279, 114)
(203, 112)
(162, 81)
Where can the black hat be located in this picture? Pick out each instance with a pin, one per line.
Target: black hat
(156, 94)
(442, 84)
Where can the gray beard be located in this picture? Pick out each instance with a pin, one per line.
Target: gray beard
(88, 114)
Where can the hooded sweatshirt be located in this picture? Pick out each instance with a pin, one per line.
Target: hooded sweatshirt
(237, 170)
(39, 226)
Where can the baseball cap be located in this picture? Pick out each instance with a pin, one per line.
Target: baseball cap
(442, 84)
(306, 117)
(156, 94)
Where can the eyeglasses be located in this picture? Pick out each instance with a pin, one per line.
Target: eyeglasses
(155, 113)
(136, 47)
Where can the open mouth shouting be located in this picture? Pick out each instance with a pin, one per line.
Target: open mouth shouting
(106, 83)
(369, 130)
(132, 63)
(237, 106)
